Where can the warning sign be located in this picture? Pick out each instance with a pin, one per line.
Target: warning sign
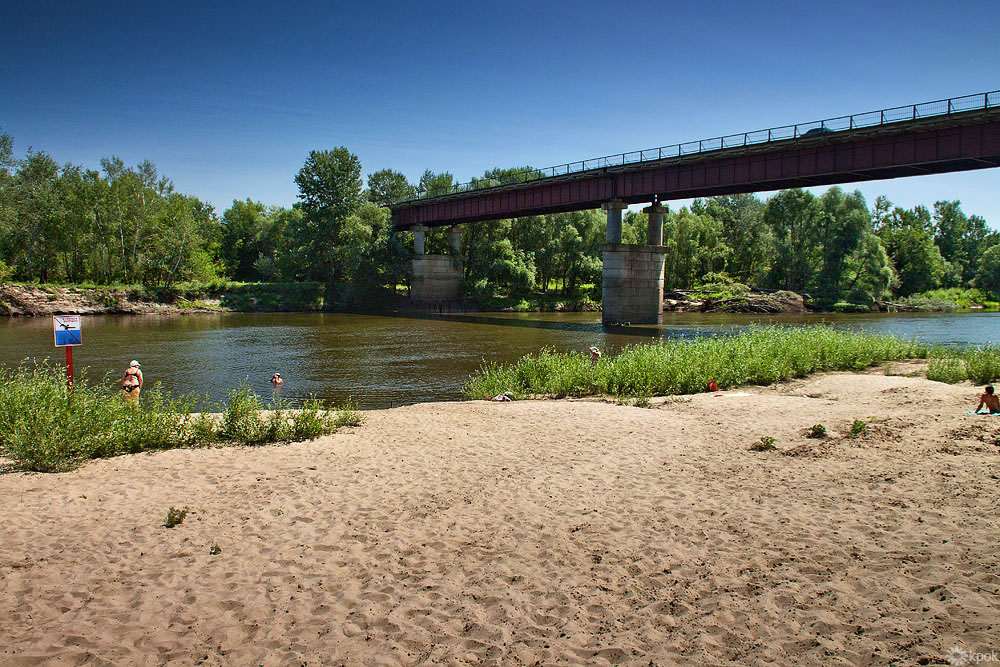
(67, 330)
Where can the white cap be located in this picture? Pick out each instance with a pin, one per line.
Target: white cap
(134, 363)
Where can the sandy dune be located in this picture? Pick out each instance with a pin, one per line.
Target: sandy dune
(531, 533)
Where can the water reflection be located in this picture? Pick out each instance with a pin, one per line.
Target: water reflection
(394, 359)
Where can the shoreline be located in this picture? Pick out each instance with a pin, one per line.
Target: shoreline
(564, 532)
(18, 300)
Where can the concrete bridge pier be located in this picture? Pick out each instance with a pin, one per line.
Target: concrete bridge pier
(633, 274)
(437, 279)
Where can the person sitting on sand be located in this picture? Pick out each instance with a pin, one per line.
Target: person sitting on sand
(132, 382)
(276, 378)
(990, 400)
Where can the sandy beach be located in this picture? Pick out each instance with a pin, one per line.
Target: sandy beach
(531, 533)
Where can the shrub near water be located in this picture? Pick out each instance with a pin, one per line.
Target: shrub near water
(43, 429)
(761, 355)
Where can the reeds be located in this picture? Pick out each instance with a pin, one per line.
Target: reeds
(759, 356)
(45, 428)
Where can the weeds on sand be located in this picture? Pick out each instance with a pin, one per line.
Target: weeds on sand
(765, 444)
(760, 356)
(45, 428)
(857, 428)
(175, 517)
(981, 365)
(214, 550)
(817, 431)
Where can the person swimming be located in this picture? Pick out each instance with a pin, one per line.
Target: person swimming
(276, 378)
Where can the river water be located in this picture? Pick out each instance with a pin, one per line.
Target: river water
(381, 361)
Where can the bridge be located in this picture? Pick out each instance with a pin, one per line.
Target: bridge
(956, 134)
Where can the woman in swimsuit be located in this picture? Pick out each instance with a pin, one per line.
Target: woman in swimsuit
(132, 382)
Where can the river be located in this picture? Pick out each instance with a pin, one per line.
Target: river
(381, 361)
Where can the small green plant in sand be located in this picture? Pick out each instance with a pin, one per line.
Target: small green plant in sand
(857, 428)
(214, 550)
(175, 517)
(765, 444)
(817, 431)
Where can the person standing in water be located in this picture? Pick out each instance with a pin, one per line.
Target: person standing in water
(132, 382)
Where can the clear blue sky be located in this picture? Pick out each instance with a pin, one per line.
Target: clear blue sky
(228, 98)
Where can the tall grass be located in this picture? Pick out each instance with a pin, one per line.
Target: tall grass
(761, 356)
(45, 428)
(979, 364)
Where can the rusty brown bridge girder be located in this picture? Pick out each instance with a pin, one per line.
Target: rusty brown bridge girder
(957, 142)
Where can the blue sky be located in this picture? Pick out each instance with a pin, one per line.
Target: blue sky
(228, 99)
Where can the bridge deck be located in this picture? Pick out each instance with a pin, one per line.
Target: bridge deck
(953, 141)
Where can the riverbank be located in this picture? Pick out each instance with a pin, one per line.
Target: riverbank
(560, 532)
(41, 300)
(21, 300)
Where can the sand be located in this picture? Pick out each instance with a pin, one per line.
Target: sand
(531, 533)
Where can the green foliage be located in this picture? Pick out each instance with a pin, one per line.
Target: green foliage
(765, 444)
(857, 428)
(175, 517)
(44, 428)
(127, 225)
(762, 355)
(981, 365)
(988, 274)
(817, 431)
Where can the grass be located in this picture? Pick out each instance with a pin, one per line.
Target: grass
(44, 428)
(760, 356)
(981, 365)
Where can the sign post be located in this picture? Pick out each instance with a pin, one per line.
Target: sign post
(67, 333)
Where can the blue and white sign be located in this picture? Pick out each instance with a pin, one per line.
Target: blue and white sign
(67, 330)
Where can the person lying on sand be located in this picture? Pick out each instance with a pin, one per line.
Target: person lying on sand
(500, 398)
(990, 400)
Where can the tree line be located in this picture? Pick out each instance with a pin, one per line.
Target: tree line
(65, 223)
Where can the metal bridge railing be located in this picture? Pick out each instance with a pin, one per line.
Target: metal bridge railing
(814, 128)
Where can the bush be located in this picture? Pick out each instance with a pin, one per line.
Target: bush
(950, 371)
(765, 444)
(45, 428)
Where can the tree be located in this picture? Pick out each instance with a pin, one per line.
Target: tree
(844, 221)
(794, 219)
(242, 227)
(988, 275)
(330, 191)
(950, 227)
(695, 247)
(744, 231)
(387, 186)
(432, 185)
(868, 271)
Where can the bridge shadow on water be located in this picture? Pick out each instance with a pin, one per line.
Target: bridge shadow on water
(649, 331)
